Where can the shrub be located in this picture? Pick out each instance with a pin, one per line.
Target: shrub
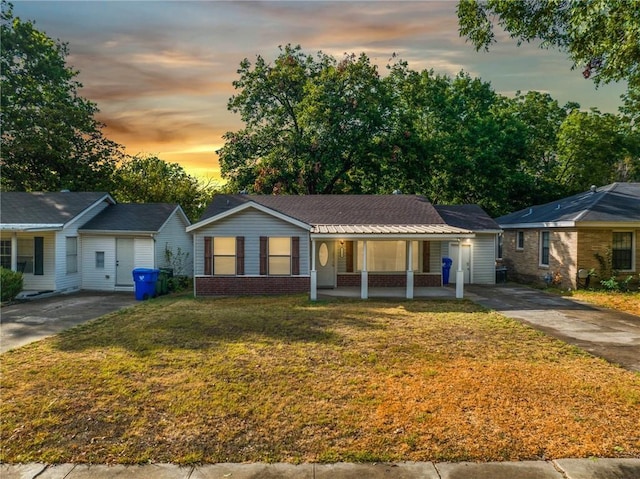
(10, 284)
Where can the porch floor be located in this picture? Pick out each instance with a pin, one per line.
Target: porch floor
(446, 292)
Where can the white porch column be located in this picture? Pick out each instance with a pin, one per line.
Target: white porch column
(410, 270)
(313, 294)
(364, 275)
(459, 273)
(14, 252)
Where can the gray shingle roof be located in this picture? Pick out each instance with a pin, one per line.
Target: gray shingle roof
(339, 209)
(364, 214)
(470, 217)
(18, 207)
(617, 202)
(138, 217)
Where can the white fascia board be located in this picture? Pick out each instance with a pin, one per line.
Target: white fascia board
(392, 236)
(117, 233)
(632, 224)
(178, 209)
(243, 207)
(31, 227)
(542, 225)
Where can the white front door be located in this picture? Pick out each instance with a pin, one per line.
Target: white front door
(466, 262)
(124, 262)
(326, 264)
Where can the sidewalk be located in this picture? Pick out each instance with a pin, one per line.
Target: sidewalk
(558, 469)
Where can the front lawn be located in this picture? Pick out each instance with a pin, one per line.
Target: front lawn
(627, 302)
(281, 379)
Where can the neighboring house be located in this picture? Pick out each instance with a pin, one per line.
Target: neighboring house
(39, 236)
(291, 244)
(133, 235)
(68, 241)
(559, 242)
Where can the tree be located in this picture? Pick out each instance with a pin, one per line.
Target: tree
(152, 180)
(50, 138)
(601, 37)
(595, 149)
(312, 123)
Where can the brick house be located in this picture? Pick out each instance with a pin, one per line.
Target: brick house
(561, 241)
(246, 244)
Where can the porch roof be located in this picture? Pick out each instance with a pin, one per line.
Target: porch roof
(436, 229)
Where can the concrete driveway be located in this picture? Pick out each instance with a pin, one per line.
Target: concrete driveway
(605, 333)
(28, 321)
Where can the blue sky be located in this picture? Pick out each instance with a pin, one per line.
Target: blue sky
(161, 72)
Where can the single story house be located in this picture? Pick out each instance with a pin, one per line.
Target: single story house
(66, 241)
(134, 235)
(246, 244)
(561, 241)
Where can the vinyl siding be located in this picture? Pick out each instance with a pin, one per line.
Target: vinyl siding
(144, 253)
(64, 280)
(46, 281)
(484, 259)
(173, 236)
(251, 224)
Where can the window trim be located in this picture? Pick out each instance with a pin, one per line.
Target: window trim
(99, 264)
(5, 252)
(632, 250)
(234, 256)
(541, 249)
(519, 244)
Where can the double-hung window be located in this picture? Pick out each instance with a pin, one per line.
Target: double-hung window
(72, 254)
(279, 256)
(224, 255)
(5, 254)
(622, 251)
(520, 240)
(544, 248)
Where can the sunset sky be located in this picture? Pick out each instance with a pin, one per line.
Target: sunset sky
(161, 72)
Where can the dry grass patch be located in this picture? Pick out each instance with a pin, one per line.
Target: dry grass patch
(627, 302)
(281, 379)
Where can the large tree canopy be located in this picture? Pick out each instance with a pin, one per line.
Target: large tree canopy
(317, 125)
(601, 37)
(311, 123)
(152, 180)
(50, 137)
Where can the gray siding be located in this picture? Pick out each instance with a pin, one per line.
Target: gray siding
(251, 224)
(173, 236)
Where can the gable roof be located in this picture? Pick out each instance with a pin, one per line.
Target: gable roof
(132, 218)
(471, 217)
(343, 214)
(614, 203)
(37, 210)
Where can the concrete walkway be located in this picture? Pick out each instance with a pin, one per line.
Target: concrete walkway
(558, 469)
(612, 335)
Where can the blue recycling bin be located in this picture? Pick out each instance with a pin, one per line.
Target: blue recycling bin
(446, 268)
(144, 280)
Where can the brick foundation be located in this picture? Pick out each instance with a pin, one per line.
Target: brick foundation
(390, 280)
(251, 285)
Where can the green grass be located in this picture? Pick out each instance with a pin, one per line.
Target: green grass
(281, 379)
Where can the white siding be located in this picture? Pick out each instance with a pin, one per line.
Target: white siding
(46, 281)
(144, 253)
(64, 280)
(93, 278)
(484, 259)
(251, 224)
(173, 236)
